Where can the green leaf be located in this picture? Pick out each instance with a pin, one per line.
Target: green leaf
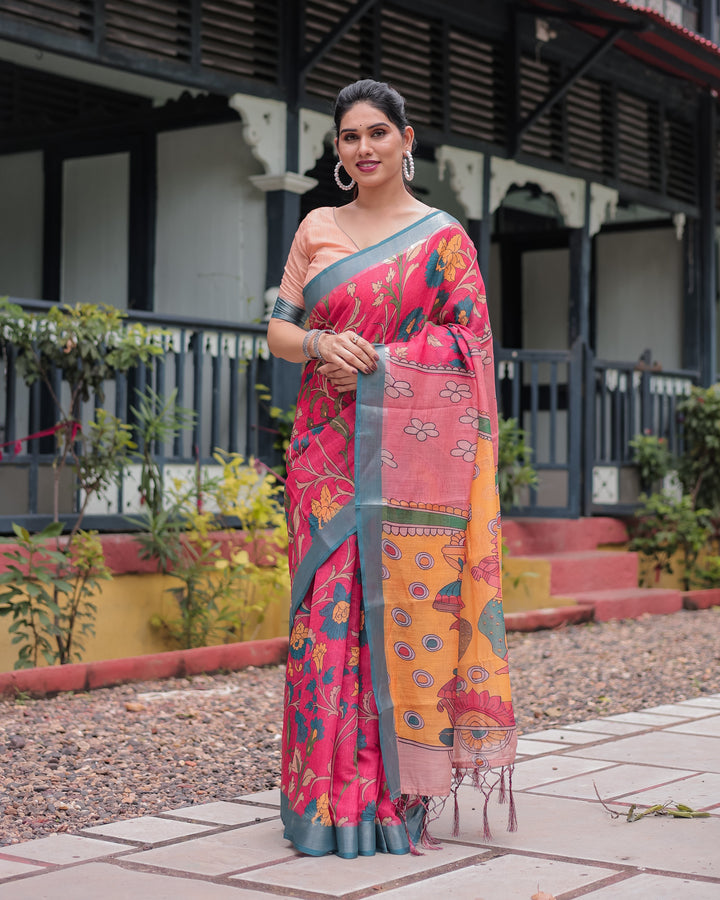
(21, 532)
(53, 530)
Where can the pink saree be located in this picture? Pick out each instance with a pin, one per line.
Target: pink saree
(397, 679)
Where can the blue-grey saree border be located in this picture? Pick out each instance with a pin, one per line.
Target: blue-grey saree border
(369, 507)
(345, 268)
(325, 542)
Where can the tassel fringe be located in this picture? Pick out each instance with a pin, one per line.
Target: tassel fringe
(486, 784)
(456, 817)
(512, 813)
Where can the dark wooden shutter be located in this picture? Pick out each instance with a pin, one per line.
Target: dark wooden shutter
(350, 59)
(241, 36)
(478, 100)
(537, 80)
(681, 160)
(638, 141)
(589, 127)
(73, 18)
(160, 28)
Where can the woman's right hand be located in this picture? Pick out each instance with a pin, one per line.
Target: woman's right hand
(345, 355)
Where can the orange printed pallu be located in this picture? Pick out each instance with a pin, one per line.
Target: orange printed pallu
(397, 680)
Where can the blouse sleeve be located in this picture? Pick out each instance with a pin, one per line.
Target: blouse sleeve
(290, 304)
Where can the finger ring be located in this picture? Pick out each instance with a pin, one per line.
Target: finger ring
(354, 338)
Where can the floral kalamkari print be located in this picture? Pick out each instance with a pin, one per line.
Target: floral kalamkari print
(397, 678)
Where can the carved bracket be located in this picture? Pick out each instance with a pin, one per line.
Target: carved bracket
(569, 193)
(314, 130)
(264, 129)
(603, 206)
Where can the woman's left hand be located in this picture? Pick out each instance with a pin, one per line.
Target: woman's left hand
(345, 355)
(339, 377)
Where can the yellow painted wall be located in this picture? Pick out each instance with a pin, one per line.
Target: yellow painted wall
(128, 603)
(526, 585)
(125, 606)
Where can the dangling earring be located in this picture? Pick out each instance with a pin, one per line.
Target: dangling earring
(338, 182)
(408, 166)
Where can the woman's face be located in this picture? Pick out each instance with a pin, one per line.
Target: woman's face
(370, 147)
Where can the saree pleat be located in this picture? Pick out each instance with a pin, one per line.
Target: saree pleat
(397, 680)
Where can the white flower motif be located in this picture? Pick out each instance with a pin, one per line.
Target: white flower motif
(397, 389)
(390, 275)
(387, 459)
(456, 392)
(464, 449)
(471, 417)
(422, 430)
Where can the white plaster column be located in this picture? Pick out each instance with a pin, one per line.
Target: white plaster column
(465, 168)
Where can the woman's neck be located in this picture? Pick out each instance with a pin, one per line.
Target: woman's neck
(390, 201)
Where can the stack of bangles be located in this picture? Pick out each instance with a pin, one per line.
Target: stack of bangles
(314, 336)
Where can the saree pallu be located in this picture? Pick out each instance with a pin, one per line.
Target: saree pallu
(397, 680)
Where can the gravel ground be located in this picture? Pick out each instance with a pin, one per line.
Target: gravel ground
(137, 749)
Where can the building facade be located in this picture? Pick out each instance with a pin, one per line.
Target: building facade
(158, 154)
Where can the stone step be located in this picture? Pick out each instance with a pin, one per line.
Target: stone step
(590, 570)
(629, 603)
(524, 536)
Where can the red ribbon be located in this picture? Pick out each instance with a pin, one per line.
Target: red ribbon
(17, 445)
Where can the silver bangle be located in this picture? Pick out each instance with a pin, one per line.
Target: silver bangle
(316, 344)
(306, 342)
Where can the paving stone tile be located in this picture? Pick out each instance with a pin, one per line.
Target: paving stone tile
(535, 748)
(700, 791)
(659, 887)
(665, 748)
(269, 798)
(504, 876)
(712, 700)
(147, 830)
(63, 849)
(219, 854)
(709, 727)
(224, 813)
(336, 877)
(564, 736)
(644, 718)
(606, 726)
(616, 781)
(533, 772)
(109, 882)
(583, 831)
(9, 868)
(681, 709)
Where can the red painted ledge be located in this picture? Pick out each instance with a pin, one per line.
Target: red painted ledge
(122, 551)
(701, 599)
(175, 663)
(548, 617)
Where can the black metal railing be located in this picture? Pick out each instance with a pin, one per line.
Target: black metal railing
(214, 367)
(579, 414)
(542, 391)
(624, 400)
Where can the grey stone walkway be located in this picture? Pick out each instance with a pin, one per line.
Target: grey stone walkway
(567, 844)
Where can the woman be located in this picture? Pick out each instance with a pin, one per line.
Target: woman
(397, 679)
